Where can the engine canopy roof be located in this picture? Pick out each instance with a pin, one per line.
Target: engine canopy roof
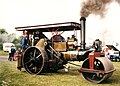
(66, 26)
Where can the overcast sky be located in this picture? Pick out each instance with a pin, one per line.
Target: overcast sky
(17, 13)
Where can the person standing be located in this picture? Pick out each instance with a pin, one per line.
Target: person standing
(24, 46)
(19, 65)
(97, 44)
(12, 52)
(9, 58)
(24, 41)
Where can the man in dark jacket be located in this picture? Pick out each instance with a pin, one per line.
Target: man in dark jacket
(12, 52)
(97, 44)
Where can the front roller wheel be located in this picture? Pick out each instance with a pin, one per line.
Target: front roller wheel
(34, 60)
(101, 64)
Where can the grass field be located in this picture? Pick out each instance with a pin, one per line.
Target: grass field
(2, 53)
(10, 76)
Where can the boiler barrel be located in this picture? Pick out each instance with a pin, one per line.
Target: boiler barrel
(75, 55)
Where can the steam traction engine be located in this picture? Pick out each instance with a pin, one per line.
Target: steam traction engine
(52, 54)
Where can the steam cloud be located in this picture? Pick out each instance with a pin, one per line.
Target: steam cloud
(97, 7)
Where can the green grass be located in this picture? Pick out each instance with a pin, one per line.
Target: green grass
(10, 76)
(2, 53)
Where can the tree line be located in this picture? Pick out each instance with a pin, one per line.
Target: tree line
(8, 38)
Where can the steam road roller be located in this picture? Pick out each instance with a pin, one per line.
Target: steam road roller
(52, 52)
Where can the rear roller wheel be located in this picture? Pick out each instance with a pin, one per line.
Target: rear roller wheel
(102, 64)
(34, 60)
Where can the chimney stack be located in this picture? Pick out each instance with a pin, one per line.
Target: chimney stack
(82, 32)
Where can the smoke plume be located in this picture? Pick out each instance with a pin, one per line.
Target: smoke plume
(97, 7)
(118, 1)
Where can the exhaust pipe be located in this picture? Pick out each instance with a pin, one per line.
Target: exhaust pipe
(82, 32)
